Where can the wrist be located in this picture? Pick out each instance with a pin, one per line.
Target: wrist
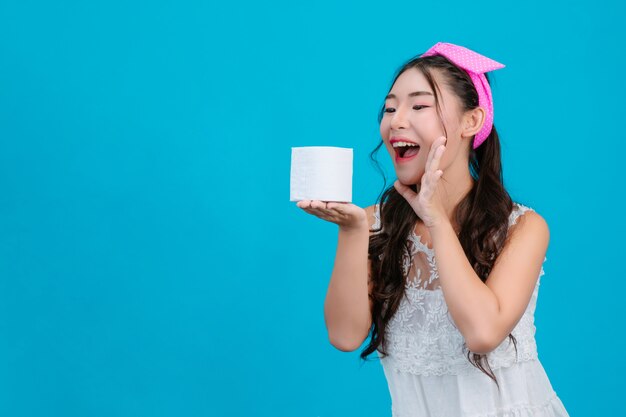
(361, 227)
(439, 224)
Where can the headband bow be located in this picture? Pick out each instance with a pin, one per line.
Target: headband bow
(475, 65)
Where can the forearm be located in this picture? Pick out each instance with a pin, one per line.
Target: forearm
(472, 305)
(346, 308)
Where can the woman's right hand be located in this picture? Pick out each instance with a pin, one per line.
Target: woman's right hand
(347, 215)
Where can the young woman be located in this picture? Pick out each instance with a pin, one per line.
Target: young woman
(443, 272)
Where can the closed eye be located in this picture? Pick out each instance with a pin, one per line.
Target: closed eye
(391, 108)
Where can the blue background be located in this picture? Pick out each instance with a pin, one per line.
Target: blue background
(151, 263)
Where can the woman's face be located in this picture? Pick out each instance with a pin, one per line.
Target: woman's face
(410, 113)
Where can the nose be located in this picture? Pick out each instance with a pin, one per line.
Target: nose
(398, 120)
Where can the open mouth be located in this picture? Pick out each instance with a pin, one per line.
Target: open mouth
(406, 152)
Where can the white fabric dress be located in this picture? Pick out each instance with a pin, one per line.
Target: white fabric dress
(428, 371)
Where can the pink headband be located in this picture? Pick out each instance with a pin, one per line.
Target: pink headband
(475, 65)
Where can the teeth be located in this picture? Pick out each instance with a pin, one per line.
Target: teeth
(398, 144)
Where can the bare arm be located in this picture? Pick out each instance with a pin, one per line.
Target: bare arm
(347, 307)
(487, 312)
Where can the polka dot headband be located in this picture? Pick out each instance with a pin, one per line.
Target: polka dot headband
(476, 65)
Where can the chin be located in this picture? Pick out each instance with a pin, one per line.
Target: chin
(410, 179)
(410, 182)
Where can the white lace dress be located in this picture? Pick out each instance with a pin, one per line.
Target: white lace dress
(428, 371)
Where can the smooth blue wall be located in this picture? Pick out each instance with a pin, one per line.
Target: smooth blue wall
(151, 263)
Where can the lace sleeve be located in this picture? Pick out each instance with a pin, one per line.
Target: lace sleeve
(518, 210)
(515, 214)
(376, 224)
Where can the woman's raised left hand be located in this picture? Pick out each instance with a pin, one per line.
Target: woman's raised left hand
(427, 202)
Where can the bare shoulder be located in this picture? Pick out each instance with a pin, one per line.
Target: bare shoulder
(532, 227)
(528, 236)
(523, 253)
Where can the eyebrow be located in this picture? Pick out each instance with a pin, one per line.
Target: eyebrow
(413, 94)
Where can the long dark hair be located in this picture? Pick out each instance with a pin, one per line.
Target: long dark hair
(483, 213)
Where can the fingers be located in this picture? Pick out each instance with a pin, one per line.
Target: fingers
(434, 156)
(310, 206)
(317, 207)
(437, 158)
(313, 204)
(433, 149)
(404, 191)
(433, 173)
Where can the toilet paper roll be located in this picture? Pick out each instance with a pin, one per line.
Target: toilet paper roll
(321, 173)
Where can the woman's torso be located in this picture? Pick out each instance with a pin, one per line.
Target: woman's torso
(422, 337)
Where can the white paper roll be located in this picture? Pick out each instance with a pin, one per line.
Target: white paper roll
(321, 173)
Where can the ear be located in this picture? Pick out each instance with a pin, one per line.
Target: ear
(472, 122)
